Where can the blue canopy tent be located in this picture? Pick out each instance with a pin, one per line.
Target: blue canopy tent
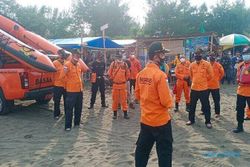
(89, 42)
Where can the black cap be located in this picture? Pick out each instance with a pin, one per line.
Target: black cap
(198, 51)
(156, 47)
(62, 53)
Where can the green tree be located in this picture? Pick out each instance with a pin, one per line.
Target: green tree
(170, 17)
(45, 21)
(8, 8)
(61, 24)
(226, 19)
(36, 21)
(99, 12)
(175, 17)
(202, 17)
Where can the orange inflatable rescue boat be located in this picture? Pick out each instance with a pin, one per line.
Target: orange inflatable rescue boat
(31, 38)
(24, 53)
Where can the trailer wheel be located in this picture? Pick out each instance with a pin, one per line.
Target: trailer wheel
(5, 105)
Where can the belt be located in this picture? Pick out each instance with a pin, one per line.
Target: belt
(119, 83)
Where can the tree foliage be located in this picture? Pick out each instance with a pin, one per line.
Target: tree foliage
(226, 18)
(99, 12)
(8, 8)
(180, 18)
(170, 17)
(165, 17)
(46, 21)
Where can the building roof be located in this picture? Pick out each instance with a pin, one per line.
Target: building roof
(90, 42)
(125, 42)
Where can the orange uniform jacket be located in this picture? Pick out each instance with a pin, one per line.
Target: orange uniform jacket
(119, 73)
(182, 70)
(218, 71)
(200, 75)
(59, 68)
(135, 68)
(154, 95)
(243, 90)
(72, 74)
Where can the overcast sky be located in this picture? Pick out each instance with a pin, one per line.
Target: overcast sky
(137, 10)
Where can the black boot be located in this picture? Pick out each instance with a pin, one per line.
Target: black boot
(91, 106)
(126, 115)
(115, 115)
(187, 107)
(104, 106)
(239, 128)
(176, 107)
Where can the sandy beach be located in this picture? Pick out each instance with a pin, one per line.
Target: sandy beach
(29, 136)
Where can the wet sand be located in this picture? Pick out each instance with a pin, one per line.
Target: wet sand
(29, 136)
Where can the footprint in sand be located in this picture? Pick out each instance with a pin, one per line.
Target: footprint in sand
(28, 136)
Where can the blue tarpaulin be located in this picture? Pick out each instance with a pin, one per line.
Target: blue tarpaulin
(90, 42)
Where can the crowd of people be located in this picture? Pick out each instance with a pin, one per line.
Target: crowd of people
(197, 79)
(230, 63)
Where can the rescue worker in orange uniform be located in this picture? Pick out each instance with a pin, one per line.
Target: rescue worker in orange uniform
(214, 83)
(177, 61)
(247, 114)
(153, 92)
(74, 87)
(135, 68)
(201, 72)
(243, 91)
(59, 83)
(182, 74)
(119, 74)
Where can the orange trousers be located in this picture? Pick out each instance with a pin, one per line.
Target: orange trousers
(182, 85)
(248, 112)
(119, 96)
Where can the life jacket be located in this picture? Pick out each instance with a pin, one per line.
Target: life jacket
(243, 76)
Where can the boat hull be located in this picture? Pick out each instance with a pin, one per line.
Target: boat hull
(24, 53)
(32, 39)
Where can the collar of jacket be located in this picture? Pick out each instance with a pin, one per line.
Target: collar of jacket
(202, 61)
(73, 63)
(152, 65)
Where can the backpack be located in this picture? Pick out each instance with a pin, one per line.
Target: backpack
(244, 74)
